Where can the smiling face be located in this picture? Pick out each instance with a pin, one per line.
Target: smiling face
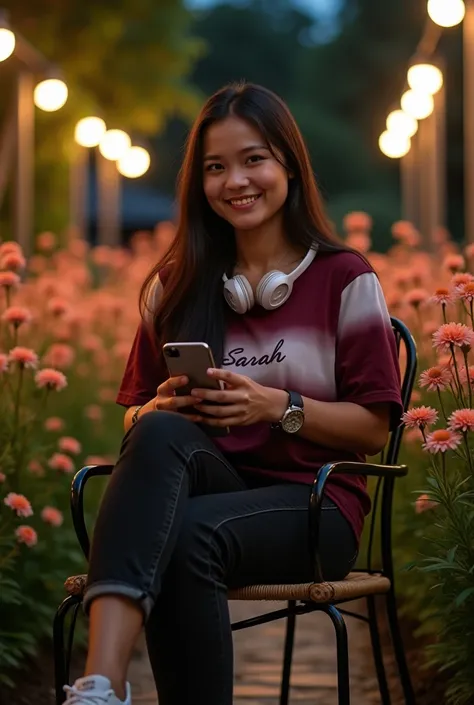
(243, 182)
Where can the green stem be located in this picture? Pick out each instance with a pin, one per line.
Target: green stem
(469, 386)
(469, 457)
(456, 371)
(443, 308)
(442, 405)
(16, 420)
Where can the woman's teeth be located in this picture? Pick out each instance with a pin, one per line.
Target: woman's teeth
(243, 201)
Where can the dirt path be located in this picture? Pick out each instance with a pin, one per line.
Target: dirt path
(258, 657)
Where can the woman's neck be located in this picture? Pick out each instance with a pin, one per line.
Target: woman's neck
(264, 249)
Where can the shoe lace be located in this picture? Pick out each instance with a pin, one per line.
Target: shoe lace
(81, 697)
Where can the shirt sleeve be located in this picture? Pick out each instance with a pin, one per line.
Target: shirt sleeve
(367, 366)
(144, 371)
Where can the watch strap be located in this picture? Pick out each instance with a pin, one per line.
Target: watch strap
(135, 414)
(295, 399)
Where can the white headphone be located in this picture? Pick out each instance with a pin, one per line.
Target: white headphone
(272, 291)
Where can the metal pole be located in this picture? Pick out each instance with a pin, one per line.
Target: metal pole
(468, 48)
(108, 202)
(24, 176)
(78, 196)
(409, 166)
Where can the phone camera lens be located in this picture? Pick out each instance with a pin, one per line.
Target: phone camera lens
(172, 352)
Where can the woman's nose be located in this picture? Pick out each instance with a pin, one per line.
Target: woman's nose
(236, 179)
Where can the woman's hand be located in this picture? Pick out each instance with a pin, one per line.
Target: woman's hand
(241, 403)
(167, 400)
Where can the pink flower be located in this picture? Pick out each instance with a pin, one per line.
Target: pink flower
(54, 423)
(465, 374)
(26, 535)
(61, 462)
(424, 503)
(45, 242)
(357, 221)
(58, 306)
(420, 416)
(16, 315)
(92, 343)
(466, 292)
(359, 240)
(3, 363)
(442, 296)
(416, 297)
(19, 504)
(94, 412)
(52, 516)
(461, 278)
(461, 420)
(435, 378)
(3, 477)
(454, 263)
(24, 357)
(67, 444)
(35, 468)
(9, 246)
(60, 355)
(405, 232)
(453, 334)
(9, 280)
(51, 379)
(442, 440)
(14, 261)
(469, 251)
(95, 460)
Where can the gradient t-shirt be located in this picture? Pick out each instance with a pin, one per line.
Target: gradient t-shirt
(331, 341)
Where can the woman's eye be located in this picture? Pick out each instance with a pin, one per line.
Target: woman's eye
(213, 167)
(255, 158)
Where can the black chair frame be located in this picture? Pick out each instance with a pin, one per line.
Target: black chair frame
(386, 472)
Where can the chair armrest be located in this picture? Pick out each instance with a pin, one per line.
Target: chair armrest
(317, 495)
(77, 501)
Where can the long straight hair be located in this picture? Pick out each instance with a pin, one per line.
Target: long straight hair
(191, 307)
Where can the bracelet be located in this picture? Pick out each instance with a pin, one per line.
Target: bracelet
(135, 414)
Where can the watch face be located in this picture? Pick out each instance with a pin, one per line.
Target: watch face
(293, 420)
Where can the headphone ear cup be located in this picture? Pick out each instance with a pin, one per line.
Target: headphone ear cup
(238, 294)
(273, 290)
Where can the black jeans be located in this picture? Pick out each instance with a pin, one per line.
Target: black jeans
(177, 527)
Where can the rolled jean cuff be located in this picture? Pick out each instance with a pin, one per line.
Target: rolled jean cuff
(144, 601)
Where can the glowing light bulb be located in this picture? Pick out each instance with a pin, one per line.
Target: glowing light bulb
(114, 144)
(399, 122)
(50, 95)
(89, 131)
(446, 13)
(134, 163)
(425, 78)
(418, 105)
(393, 145)
(7, 43)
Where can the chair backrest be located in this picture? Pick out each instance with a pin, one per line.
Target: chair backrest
(384, 488)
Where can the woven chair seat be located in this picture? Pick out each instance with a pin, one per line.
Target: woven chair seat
(353, 586)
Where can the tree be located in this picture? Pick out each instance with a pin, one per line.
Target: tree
(127, 60)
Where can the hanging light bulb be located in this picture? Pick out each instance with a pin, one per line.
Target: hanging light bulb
(50, 95)
(425, 78)
(418, 105)
(114, 144)
(134, 163)
(89, 131)
(446, 13)
(394, 145)
(399, 122)
(7, 43)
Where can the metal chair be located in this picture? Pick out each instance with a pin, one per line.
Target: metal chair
(301, 598)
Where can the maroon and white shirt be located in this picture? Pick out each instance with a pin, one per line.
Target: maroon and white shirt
(331, 341)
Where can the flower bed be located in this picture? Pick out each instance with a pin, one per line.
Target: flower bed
(67, 320)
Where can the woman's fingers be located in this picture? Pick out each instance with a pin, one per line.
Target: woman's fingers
(168, 388)
(175, 403)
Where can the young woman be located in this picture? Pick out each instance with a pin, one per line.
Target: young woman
(311, 375)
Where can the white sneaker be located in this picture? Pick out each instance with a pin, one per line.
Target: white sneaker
(94, 690)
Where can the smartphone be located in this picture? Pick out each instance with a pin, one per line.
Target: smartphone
(193, 360)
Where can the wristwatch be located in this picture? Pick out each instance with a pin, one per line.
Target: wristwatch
(293, 418)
